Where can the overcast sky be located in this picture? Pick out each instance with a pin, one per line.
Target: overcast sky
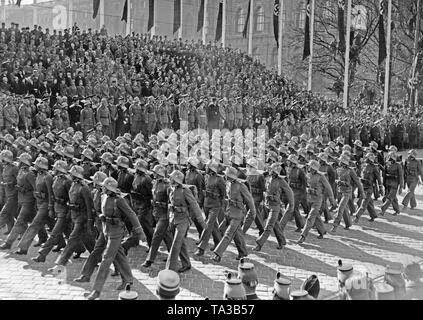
(32, 1)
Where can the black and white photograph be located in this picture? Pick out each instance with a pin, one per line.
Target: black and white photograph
(211, 150)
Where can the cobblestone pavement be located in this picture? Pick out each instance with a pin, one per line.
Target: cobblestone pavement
(369, 246)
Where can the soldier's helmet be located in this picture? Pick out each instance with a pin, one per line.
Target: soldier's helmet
(392, 155)
(7, 156)
(87, 153)
(108, 145)
(107, 157)
(346, 153)
(138, 140)
(44, 146)
(61, 166)
(127, 137)
(324, 157)
(59, 150)
(271, 143)
(346, 148)
(302, 153)
(98, 178)
(291, 144)
(41, 163)
(119, 140)
(141, 165)
(172, 158)
(177, 176)
(293, 159)
(253, 163)
(124, 148)
(65, 137)
(370, 156)
(275, 168)
(68, 151)
(344, 160)
(295, 139)
(50, 136)
(91, 141)
(70, 131)
(358, 143)
(159, 170)
(412, 153)
(213, 165)
(105, 138)
(21, 141)
(313, 164)
(25, 158)
(9, 138)
(373, 145)
(77, 137)
(123, 162)
(283, 150)
(33, 142)
(77, 172)
(303, 137)
(310, 148)
(332, 145)
(111, 184)
(194, 162)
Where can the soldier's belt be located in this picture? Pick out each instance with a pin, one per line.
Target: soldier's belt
(22, 189)
(212, 194)
(39, 195)
(342, 183)
(271, 197)
(112, 221)
(295, 185)
(256, 191)
(391, 176)
(73, 206)
(160, 204)
(236, 204)
(178, 209)
(312, 191)
(60, 201)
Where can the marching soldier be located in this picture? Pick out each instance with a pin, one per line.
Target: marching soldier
(9, 176)
(160, 213)
(80, 207)
(298, 183)
(317, 186)
(237, 194)
(45, 205)
(215, 192)
(87, 158)
(181, 202)
(141, 193)
(107, 165)
(347, 177)
(275, 187)
(61, 186)
(413, 176)
(330, 175)
(393, 178)
(113, 209)
(370, 178)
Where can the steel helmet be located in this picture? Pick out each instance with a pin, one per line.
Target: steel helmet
(141, 165)
(276, 168)
(77, 136)
(177, 176)
(87, 153)
(123, 162)
(7, 156)
(105, 138)
(61, 166)
(309, 148)
(293, 158)
(34, 142)
(120, 140)
(21, 141)
(68, 151)
(358, 143)
(59, 150)
(412, 153)
(160, 170)
(344, 160)
(9, 138)
(98, 178)
(313, 164)
(324, 157)
(77, 172)
(44, 146)
(213, 165)
(127, 137)
(25, 158)
(41, 163)
(346, 148)
(50, 136)
(91, 141)
(371, 156)
(65, 137)
(107, 157)
(194, 162)
(108, 145)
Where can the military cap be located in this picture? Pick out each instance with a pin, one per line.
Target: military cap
(247, 273)
(168, 284)
(344, 271)
(233, 290)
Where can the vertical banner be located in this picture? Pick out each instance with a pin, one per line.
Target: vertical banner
(200, 19)
(176, 15)
(306, 51)
(125, 12)
(341, 26)
(96, 6)
(219, 21)
(151, 21)
(276, 13)
(382, 39)
(244, 32)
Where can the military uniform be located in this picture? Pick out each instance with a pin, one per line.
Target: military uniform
(413, 170)
(257, 187)
(87, 120)
(202, 117)
(215, 191)
(393, 178)
(45, 202)
(80, 207)
(160, 213)
(298, 182)
(104, 117)
(330, 175)
(151, 119)
(194, 178)
(237, 193)
(135, 118)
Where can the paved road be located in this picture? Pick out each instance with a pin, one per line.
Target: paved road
(369, 246)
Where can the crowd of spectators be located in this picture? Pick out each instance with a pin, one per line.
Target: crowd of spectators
(134, 83)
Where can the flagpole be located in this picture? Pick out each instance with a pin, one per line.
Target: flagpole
(153, 28)
(181, 20)
(128, 19)
(416, 43)
(280, 38)
(224, 24)
(250, 35)
(310, 59)
(347, 56)
(388, 60)
(204, 35)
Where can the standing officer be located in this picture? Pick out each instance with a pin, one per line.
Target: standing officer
(9, 176)
(370, 178)
(393, 178)
(160, 213)
(45, 205)
(87, 118)
(135, 116)
(237, 194)
(298, 183)
(413, 175)
(61, 186)
(141, 194)
(275, 187)
(215, 192)
(317, 186)
(347, 177)
(181, 202)
(257, 187)
(104, 117)
(113, 208)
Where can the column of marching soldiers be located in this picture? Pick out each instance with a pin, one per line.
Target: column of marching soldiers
(105, 196)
